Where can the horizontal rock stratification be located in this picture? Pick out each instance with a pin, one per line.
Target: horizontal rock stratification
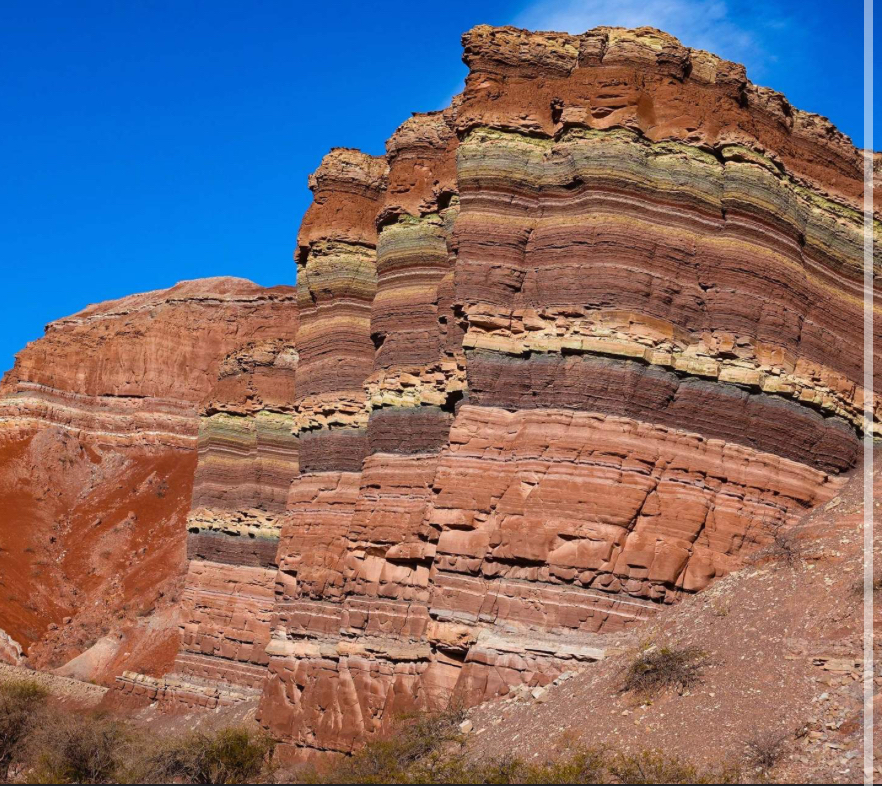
(98, 446)
(248, 459)
(133, 371)
(574, 347)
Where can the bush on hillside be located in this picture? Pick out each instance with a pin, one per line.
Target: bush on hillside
(72, 748)
(429, 749)
(765, 749)
(656, 668)
(229, 755)
(20, 702)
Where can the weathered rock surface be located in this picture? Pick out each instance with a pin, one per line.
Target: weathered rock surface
(248, 459)
(609, 281)
(564, 355)
(10, 650)
(98, 437)
(784, 645)
(575, 347)
(132, 371)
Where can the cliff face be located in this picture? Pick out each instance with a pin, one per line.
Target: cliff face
(573, 348)
(98, 433)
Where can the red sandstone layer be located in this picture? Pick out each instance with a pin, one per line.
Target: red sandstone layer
(573, 348)
(134, 370)
(633, 266)
(98, 424)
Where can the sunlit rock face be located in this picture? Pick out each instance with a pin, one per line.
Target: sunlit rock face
(98, 444)
(588, 338)
(574, 347)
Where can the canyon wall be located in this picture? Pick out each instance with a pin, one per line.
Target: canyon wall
(576, 346)
(98, 437)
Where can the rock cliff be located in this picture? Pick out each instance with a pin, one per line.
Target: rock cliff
(98, 437)
(573, 348)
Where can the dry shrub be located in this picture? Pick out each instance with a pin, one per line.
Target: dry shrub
(70, 748)
(857, 587)
(783, 545)
(765, 748)
(94, 748)
(656, 767)
(20, 702)
(785, 548)
(581, 765)
(420, 747)
(229, 755)
(721, 607)
(429, 749)
(657, 668)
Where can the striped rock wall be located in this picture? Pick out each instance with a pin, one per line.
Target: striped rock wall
(248, 459)
(575, 346)
(98, 444)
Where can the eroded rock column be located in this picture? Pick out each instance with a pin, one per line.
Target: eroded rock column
(248, 458)
(309, 696)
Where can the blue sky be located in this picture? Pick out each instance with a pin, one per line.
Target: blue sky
(144, 142)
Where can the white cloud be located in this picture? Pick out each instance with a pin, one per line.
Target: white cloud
(735, 34)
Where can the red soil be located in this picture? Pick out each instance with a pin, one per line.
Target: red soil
(101, 549)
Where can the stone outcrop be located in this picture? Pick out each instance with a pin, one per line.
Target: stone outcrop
(575, 347)
(10, 650)
(98, 444)
(248, 459)
(132, 371)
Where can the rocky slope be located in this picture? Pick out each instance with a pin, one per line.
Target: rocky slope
(783, 640)
(574, 348)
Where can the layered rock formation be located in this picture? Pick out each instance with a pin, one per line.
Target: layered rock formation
(574, 347)
(248, 458)
(98, 434)
(131, 371)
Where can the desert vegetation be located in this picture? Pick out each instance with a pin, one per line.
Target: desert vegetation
(227, 755)
(656, 668)
(430, 749)
(19, 702)
(43, 743)
(765, 749)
